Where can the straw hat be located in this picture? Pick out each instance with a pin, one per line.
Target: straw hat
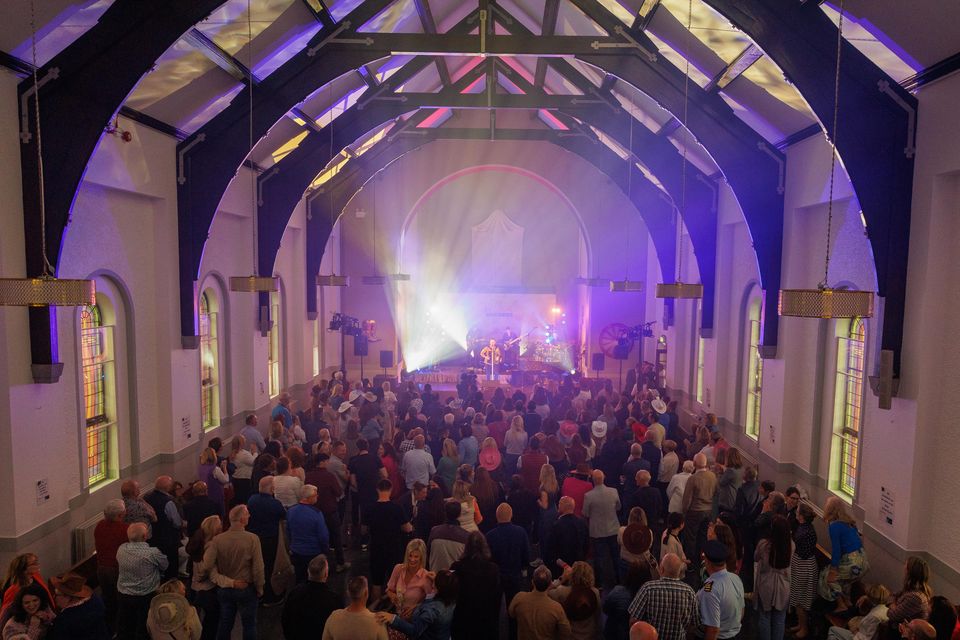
(71, 584)
(169, 611)
(659, 405)
(599, 428)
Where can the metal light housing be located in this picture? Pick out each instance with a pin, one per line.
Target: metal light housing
(591, 282)
(47, 291)
(254, 284)
(679, 290)
(626, 286)
(825, 302)
(333, 280)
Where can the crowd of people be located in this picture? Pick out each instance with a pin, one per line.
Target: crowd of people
(575, 514)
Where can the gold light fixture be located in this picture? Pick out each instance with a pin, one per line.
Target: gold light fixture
(333, 280)
(680, 290)
(626, 286)
(45, 290)
(254, 283)
(591, 282)
(825, 301)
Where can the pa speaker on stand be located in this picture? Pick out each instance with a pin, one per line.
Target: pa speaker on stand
(386, 360)
(597, 362)
(361, 347)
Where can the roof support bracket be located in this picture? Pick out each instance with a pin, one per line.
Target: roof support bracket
(25, 135)
(630, 43)
(780, 163)
(911, 148)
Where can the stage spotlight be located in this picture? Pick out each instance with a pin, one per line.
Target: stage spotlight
(557, 310)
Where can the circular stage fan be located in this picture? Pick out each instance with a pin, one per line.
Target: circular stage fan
(610, 337)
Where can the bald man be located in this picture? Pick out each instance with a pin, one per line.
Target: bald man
(697, 506)
(568, 538)
(166, 530)
(643, 631)
(600, 507)
(668, 604)
(509, 548)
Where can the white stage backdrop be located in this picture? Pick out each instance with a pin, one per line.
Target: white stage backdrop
(497, 252)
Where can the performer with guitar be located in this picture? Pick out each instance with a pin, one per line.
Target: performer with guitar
(511, 348)
(492, 357)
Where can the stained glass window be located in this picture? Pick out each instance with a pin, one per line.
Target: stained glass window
(662, 362)
(273, 355)
(209, 365)
(848, 413)
(754, 372)
(96, 346)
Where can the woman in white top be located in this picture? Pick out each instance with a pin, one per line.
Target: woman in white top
(243, 468)
(286, 487)
(470, 516)
(515, 443)
(202, 583)
(389, 398)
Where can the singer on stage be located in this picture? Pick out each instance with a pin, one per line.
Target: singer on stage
(492, 356)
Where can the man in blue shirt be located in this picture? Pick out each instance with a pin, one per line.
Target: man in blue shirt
(282, 411)
(468, 448)
(509, 548)
(308, 532)
(720, 600)
(266, 512)
(252, 433)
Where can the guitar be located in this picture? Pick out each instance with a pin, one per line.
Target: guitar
(513, 341)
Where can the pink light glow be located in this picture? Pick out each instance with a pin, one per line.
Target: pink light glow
(435, 118)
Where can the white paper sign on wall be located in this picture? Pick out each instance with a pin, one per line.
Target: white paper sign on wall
(43, 491)
(886, 505)
(185, 426)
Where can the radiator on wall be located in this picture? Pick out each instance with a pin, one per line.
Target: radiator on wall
(83, 545)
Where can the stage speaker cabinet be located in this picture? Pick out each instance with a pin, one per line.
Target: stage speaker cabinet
(621, 351)
(596, 362)
(386, 359)
(361, 346)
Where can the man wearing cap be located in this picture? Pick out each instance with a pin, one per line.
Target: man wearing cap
(600, 507)
(282, 411)
(669, 604)
(720, 600)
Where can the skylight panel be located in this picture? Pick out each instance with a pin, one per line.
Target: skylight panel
(866, 37)
(679, 61)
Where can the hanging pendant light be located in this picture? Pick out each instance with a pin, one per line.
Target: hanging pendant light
(825, 301)
(46, 289)
(254, 283)
(377, 278)
(332, 280)
(678, 289)
(627, 285)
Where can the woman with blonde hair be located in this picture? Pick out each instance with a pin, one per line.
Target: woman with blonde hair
(578, 595)
(243, 461)
(286, 483)
(202, 584)
(470, 516)
(514, 443)
(848, 562)
(215, 475)
(448, 463)
(410, 583)
(547, 496)
(913, 601)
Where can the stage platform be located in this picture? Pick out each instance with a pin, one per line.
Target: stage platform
(446, 378)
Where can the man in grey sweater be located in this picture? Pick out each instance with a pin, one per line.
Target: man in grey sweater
(600, 507)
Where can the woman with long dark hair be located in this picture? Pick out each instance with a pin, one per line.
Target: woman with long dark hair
(803, 569)
(772, 579)
(488, 494)
(30, 614)
(478, 611)
(580, 599)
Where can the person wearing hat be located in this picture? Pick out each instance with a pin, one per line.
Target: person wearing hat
(598, 435)
(82, 615)
(635, 540)
(171, 616)
(720, 600)
(489, 456)
(576, 485)
(667, 603)
(654, 419)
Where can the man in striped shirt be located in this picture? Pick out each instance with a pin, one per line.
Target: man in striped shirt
(669, 604)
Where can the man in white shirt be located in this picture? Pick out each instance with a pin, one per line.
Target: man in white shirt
(417, 465)
(676, 486)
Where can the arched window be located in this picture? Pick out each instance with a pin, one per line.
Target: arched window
(700, 349)
(209, 363)
(99, 393)
(754, 368)
(274, 345)
(662, 362)
(848, 406)
(316, 347)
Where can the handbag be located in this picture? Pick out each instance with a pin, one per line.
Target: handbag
(283, 577)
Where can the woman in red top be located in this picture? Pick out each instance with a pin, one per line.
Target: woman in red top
(388, 455)
(24, 570)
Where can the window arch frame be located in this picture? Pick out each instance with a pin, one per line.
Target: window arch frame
(751, 360)
(275, 344)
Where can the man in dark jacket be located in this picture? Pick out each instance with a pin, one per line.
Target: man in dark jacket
(569, 537)
(310, 604)
(82, 614)
(266, 512)
(199, 507)
(615, 451)
(166, 530)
